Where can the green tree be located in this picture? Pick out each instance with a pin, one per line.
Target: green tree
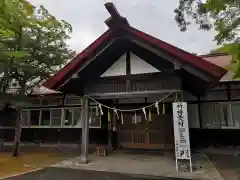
(32, 47)
(222, 15)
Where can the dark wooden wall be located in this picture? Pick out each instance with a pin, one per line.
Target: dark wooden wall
(199, 138)
(52, 135)
(203, 138)
(134, 83)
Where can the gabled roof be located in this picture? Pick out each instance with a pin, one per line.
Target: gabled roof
(76, 61)
(184, 55)
(55, 82)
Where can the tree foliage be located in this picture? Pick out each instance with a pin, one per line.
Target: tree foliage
(222, 15)
(32, 47)
(32, 44)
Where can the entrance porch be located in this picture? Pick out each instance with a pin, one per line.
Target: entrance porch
(130, 128)
(154, 134)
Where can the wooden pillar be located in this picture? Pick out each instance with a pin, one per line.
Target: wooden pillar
(128, 71)
(85, 131)
(118, 125)
(114, 118)
(199, 113)
(110, 135)
(114, 129)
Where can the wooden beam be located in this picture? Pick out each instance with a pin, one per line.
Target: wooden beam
(110, 134)
(85, 64)
(116, 20)
(128, 63)
(134, 77)
(111, 8)
(114, 130)
(120, 95)
(118, 126)
(85, 131)
(128, 71)
(94, 71)
(199, 113)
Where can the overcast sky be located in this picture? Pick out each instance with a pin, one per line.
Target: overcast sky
(155, 17)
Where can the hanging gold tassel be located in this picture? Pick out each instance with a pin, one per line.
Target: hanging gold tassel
(121, 117)
(149, 115)
(163, 109)
(109, 116)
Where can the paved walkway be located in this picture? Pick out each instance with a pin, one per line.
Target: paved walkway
(221, 151)
(153, 165)
(76, 174)
(228, 166)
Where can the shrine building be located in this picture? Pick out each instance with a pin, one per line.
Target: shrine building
(107, 94)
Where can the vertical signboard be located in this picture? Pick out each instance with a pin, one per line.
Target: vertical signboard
(181, 133)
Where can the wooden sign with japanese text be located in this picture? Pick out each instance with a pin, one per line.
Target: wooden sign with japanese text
(181, 131)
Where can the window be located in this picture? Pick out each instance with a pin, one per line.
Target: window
(25, 117)
(193, 116)
(73, 100)
(94, 118)
(45, 117)
(56, 101)
(72, 116)
(230, 115)
(210, 115)
(68, 117)
(34, 117)
(236, 114)
(56, 117)
(225, 116)
(51, 101)
(77, 116)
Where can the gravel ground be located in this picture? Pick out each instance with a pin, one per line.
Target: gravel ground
(70, 174)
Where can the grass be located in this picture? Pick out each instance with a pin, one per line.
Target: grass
(27, 162)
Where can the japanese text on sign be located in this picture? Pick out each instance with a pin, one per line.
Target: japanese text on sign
(181, 131)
